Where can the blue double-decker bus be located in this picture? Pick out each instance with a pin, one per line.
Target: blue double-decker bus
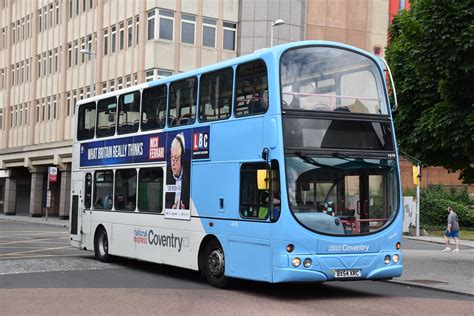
(278, 166)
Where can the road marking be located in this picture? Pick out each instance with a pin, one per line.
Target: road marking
(30, 251)
(30, 241)
(43, 256)
(14, 233)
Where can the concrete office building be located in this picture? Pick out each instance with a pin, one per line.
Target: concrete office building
(43, 73)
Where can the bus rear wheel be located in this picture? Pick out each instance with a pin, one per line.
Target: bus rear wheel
(214, 265)
(101, 245)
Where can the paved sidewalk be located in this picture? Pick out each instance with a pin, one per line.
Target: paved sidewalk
(433, 268)
(52, 221)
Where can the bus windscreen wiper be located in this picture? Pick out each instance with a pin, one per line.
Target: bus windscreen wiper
(313, 162)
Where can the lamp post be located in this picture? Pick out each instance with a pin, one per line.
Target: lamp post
(274, 24)
(93, 54)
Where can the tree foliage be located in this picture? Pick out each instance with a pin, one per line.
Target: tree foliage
(431, 55)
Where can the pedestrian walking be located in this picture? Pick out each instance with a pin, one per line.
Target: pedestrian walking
(452, 230)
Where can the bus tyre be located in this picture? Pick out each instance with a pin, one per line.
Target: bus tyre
(101, 245)
(214, 265)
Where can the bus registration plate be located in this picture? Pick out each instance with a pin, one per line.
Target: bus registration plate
(348, 274)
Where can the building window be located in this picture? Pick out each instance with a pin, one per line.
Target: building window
(208, 32)
(23, 34)
(45, 18)
(69, 55)
(89, 46)
(164, 73)
(22, 73)
(84, 6)
(49, 108)
(54, 107)
(135, 79)
(57, 12)
(40, 19)
(188, 26)
(229, 35)
(76, 52)
(56, 60)
(113, 39)
(44, 64)
(50, 15)
(83, 46)
(91, 4)
(88, 92)
(50, 54)
(166, 25)
(68, 103)
(70, 9)
(27, 70)
(74, 101)
(122, 36)
(2, 78)
(38, 57)
(104, 87)
(129, 33)
(119, 83)
(26, 114)
(112, 85)
(77, 7)
(106, 42)
(81, 93)
(128, 81)
(37, 111)
(27, 26)
(1, 119)
(151, 25)
(137, 24)
(149, 75)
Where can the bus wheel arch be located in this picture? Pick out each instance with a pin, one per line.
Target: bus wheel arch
(211, 261)
(101, 244)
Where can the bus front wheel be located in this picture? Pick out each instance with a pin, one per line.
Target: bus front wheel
(101, 245)
(214, 265)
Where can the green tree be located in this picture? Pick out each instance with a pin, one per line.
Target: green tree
(431, 55)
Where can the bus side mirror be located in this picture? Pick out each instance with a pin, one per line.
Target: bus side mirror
(263, 182)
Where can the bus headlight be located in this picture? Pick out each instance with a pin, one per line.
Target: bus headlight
(296, 262)
(396, 258)
(307, 262)
(387, 259)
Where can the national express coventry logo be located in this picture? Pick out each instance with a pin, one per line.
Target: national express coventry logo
(149, 237)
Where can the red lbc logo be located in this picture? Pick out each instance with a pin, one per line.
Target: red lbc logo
(200, 141)
(53, 174)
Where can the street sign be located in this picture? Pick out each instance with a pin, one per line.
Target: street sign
(48, 198)
(53, 174)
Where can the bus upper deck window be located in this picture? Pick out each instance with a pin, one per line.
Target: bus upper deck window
(215, 95)
(183, 97)
(106, 112)
(129, 113)
(251, 93)
(86, 121)
(154, 108)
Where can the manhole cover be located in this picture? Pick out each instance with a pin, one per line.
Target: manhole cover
(429, 282)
